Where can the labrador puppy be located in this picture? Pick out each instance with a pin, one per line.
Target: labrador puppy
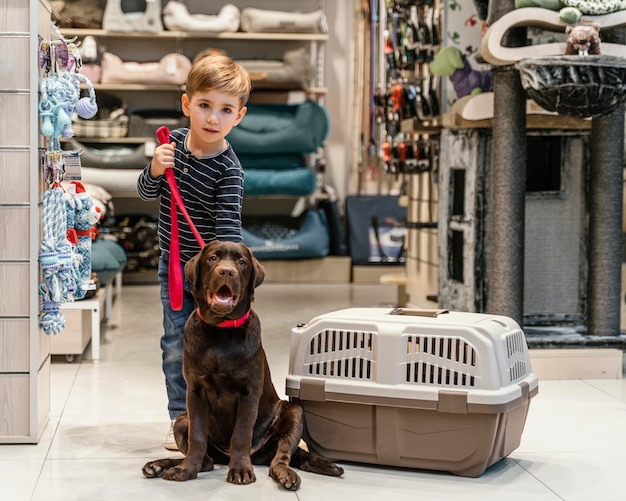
(234, 415)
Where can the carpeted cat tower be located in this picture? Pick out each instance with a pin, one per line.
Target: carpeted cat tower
(586, 86)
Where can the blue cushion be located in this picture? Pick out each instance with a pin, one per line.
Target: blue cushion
(281, 129)
(272, 161)
(279, 182)
(107, 259)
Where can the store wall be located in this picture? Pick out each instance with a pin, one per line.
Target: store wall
(339, 72)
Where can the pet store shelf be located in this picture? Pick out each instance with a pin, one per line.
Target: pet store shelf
(113, 140)
(257, 86)
(269, 87)
(137, 87)
(306, 37)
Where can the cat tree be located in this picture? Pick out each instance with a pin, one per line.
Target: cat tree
(548, 76)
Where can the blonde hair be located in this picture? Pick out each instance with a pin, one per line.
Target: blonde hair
(215, 70)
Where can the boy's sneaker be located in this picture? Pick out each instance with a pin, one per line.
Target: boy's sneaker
(170, 441)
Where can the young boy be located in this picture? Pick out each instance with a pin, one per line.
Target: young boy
(210, 180)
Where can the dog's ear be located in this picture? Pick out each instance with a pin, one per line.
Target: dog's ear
(190, 266)
(259, 272)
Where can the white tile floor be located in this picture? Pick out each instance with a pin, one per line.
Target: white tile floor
(108, 419)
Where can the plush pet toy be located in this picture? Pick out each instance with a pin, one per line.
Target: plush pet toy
(571, 11)
(583, 39)
(81, 214)
(451, 62)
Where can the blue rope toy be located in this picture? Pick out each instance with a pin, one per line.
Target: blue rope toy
(62, 267)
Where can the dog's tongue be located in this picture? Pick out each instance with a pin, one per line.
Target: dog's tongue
(223, 298)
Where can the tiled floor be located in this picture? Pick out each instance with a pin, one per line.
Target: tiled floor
(108, 419)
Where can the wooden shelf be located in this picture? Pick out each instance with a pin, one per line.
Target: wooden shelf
(111, 140)
(138, 87)
(175, 35)
(256, 86)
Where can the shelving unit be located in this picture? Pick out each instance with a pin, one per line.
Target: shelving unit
(190, 44)
(150, 47)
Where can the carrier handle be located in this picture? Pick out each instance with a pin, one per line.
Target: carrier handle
(419, 313)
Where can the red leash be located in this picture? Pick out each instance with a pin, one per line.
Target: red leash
(175, 275)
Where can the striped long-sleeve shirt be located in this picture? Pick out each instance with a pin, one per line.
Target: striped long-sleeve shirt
(211, 189)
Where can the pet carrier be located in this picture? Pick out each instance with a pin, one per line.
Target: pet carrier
(427, 389)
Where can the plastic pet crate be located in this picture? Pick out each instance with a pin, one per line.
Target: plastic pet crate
(427, 389)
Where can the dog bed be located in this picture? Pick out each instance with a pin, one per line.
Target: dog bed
(145, 122)
(116, 19)
(85, 14)
(272, 162)
(297, 182)
(171, 69)
(118, 182)
(111, 156)
(114, 125)
(281, 129)
(284, 237)
(262, 20)
(295, 68)
(176, 16)
(107, 259)
(110, 120)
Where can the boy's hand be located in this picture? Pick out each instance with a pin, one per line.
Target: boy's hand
(162, 159)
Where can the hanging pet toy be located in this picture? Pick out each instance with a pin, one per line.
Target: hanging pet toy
(53, 289)
(60, 91)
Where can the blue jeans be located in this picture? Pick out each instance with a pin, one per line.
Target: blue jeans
(172, 341)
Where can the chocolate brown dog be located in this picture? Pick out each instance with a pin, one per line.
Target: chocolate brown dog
(234, 415)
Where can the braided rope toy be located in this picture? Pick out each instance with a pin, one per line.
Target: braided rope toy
(51, 320)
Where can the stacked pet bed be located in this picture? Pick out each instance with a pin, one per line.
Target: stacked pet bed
(275, 21)
(229, 18)
(294, 70)
(272, 142)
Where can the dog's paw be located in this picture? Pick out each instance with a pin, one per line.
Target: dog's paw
(180, 474)
(286, 477)
(154, 469)
(241, 475)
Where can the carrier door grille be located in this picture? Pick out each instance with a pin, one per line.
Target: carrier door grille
(516, 352)
(341, 354)
(440, 361)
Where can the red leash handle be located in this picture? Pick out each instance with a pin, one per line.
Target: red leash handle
(163, 135)
(175, 275)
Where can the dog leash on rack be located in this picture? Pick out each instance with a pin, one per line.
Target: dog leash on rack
(175, 275)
